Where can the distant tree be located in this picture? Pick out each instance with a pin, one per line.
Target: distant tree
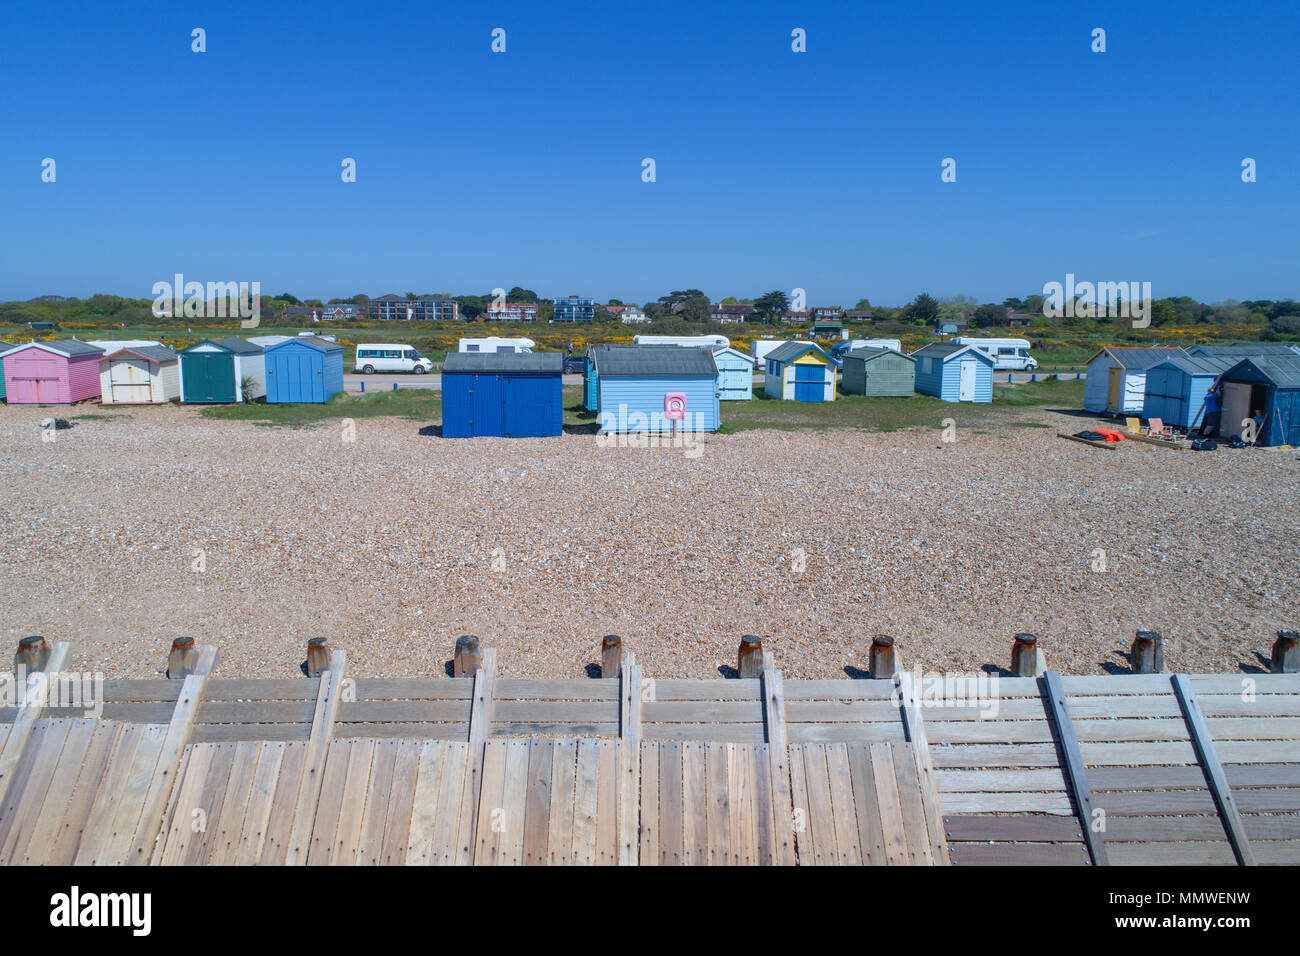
(923, 310)
(864, 305)
(518, 294)
(990, 316)
(614, 302)
(292, 300)
(694, 308)
(1288, 325)
(951, 312)
(770, 306)
(730, 300)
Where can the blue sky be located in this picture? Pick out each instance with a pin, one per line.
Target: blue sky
(775, 169)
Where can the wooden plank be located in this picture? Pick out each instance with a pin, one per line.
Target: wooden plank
(889, 800)
(328, 804)
(1076, 776)
(204, 816)
(25, 800)
(586, 802)
(452, 835)
(844, 809)
(1004, 829)
(491, 812)
(480, 726)
(804, 852)
(514, 799)
(670, 804)
(180, 829)
(607, 810)
(315, 758)
(270, 755)
(559, 837)
(35, 695)
(744, 689)
(397, 825)
(413, 688)
(1172, 854)
(871, 836)
(778, 754)
(356, 784)
(1214, 776)
(537, 803)
(926, 781)
(577, 689)
(695, 804)
(915, 828)
(67, 838)
(148, 847)
(629, 771)
(223, 847)
(700, 711)
(279, 823)
(128, 827)
(648, 852)
(719, 807)
(378, 796)
(821, 817)
(1019, 854)
(241, 689)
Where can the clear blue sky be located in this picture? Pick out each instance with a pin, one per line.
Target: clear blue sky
(818, 170)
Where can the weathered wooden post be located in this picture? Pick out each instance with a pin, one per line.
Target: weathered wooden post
(1026, 659)
(183, 659)
(611, 655)
(32, 655)
(1147, 655)
(467, 659)
(318, 656)
(1286, 653)
(883, 661)
(749, 657)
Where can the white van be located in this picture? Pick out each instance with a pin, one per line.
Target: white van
(1008, 355)
(391, 358)
(496, 343)
(759, 349)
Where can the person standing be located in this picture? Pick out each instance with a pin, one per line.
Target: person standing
(1213, 411)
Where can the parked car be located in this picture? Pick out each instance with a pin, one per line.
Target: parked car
(574, 364)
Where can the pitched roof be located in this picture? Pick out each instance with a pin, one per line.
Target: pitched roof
(788, 351)
(868, 352)
(503, 362)
(313, 340)
(655, 360)
(946, 350)
(1283, 372)
(1246, 349)
(240, 346)
(1202, 364)
(154, 353)
(1138, 358)
(68, 347)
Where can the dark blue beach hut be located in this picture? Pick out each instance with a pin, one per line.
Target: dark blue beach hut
(502, 394)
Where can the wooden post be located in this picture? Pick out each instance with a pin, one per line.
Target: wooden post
(749, 658)
(467, 659)
(318, 656)
(629, 762)
(183, 659)
(1026, 659)
(32, 655)
(1286, 653)
(611, 655)
(1147, 655)
(883, 662)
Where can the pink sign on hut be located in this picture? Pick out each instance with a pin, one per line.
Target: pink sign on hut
(675, 406)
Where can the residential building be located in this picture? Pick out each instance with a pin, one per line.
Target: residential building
(574, 309)
(511, 312)
(730, 314)
(631, 315)
(859, 315)
(825, 313)
(799, 316)
(434, 309)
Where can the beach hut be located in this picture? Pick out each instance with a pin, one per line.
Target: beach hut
(1176, 388)
(800, 371)
(735, 374)
(878, 371)
(1117, 377)
(954, 373)
(502, 394)
(303, 369)
(1269, 385)
(51, 373)
(4, 347)
(635, 386)
(213, 372)
(142, 375)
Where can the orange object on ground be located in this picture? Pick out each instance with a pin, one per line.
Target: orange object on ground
(1109, 434)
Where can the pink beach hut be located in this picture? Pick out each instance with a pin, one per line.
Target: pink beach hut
(51, 373)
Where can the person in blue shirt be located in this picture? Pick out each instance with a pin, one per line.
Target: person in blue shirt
(1213, 411)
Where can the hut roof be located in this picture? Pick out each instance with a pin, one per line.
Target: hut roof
(1138, 358)
(652, 360)
(153, 353)
(869, 352)
(792, 350)
(504, 362)
(240, 346)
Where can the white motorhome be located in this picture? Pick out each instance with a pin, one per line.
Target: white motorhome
(709, 341)
(1008, 355)
(391, 358)
(496, 343)
(759, 349)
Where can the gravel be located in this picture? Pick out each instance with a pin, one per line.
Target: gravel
(394, 544)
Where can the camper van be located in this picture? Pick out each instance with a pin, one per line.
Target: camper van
(391, 358)
(708, 341)
(759, 349)
(496, 344)
(842, 349)
(1008, 355)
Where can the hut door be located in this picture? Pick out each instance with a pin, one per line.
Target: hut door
(1115, 395)
(129, 381)
(966, 388)
(1236, 408)
(809, 383)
